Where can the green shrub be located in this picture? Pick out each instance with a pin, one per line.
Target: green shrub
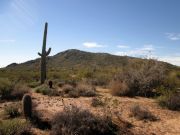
(86, 90)
(143, 80)
(67, 88)
(33, 84)
(19, 90)
(142, 113)
(45, 90)
(73, 94)
(171, 100)
(15, 127)
(6, 88)
(76, 121)
(97, 102)
(13, 110)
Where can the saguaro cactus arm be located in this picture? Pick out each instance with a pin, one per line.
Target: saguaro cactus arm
(48, 52)
(39, 54)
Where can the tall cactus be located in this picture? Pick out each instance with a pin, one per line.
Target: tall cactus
(43, 55)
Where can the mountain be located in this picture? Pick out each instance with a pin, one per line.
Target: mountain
(78, 64)
(74, 58)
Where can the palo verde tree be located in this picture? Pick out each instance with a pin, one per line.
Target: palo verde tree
(44, 55)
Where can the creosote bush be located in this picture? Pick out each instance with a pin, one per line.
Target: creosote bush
(9, 90)
(142, 113)
(170, 100)
(19, 90)
(83, 90)
(139, 81)
(45, 90)
(6, 88)
(97, 102)
(119, 88)
(13, 110)
(68, 88)
(15, 127)
(86, 90)
(33, 84)
(81, 122)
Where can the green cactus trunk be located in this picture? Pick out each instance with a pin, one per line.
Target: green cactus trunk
(43, 55)
(27, 106)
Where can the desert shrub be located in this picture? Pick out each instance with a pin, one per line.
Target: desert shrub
(97, 102)
(19, 90)
(119, 88)
(45, 90)
(38, 121)
(67, 88)
(33, 84)
(15, 127)
(71, 82)
(60, 84)
(79, 90)
(171, 100)
(86, 90)
(142, 113)
(76, 121)
(142, 80)
(73, 94)
(13, 110)
(6, 88)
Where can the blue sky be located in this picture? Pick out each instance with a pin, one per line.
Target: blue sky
(140, 28)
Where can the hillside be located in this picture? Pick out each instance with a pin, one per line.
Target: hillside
(79, 59)
(79, 64)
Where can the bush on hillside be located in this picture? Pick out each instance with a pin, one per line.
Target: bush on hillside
(119, 88)
(86, 90)
(45, 90)
(6, 88)
(19, 90)
(143, 80)
(33, 84)
(67, 88)
(171, 100)
(80, 90)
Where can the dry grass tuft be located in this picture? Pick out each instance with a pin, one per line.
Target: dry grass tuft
(142, 113)
(119, 88)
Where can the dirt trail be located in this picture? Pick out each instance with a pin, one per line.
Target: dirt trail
(169, 123)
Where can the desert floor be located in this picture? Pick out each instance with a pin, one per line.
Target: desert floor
(168, 122)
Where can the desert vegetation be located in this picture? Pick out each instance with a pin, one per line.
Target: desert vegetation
(85, 101)
(100, 94)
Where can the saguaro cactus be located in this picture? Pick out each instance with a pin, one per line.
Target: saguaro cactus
(43, 55)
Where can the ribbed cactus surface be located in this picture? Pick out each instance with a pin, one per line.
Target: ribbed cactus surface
(27, 106)
(44, 55)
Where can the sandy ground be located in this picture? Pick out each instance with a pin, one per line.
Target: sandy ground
(168, 123)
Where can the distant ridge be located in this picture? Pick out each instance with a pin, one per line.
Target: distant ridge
(79, 59)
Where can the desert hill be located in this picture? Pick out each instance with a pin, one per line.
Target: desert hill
(80, 59)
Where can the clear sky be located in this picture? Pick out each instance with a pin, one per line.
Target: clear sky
(137, 28)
